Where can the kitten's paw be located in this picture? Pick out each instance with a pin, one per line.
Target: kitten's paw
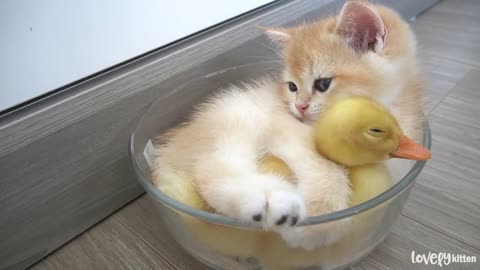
(284, 208)
(272, 203)
(252, 207)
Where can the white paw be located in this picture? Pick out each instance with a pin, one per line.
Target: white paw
(284, 208)
(273, 203)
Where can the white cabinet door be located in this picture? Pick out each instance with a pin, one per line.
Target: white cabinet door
(48, 44)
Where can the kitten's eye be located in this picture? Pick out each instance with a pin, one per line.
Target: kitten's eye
(292, 87)
(323, 84)
(376, 130)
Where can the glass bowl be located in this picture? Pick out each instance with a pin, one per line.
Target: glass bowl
(226, 243)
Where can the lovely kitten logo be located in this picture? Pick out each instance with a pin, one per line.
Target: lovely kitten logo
(441, 258)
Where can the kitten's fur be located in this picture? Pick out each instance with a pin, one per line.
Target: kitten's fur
(368, 50)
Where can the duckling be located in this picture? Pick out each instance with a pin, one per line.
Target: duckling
(358, 133)
(368, 181)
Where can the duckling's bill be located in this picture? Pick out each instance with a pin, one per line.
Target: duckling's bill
(409, 149)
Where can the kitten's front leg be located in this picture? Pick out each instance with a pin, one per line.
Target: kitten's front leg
(323, 184)
(228, 181)
(325, 187)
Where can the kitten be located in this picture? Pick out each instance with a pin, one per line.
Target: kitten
(365, 50)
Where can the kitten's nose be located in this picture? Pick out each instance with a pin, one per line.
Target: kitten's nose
(302, 107)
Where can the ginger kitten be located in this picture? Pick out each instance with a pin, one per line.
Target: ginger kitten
(365, 50)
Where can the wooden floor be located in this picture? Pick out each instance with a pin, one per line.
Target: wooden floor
(443, 211)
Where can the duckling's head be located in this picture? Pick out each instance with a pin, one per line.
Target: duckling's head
(358, 131)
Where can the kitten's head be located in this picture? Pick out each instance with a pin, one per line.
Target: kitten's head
(366, 50)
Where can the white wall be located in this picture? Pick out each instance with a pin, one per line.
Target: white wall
(45, 44)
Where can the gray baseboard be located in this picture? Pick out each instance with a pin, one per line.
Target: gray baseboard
(63, 159)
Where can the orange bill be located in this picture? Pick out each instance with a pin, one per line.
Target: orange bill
(409, 149)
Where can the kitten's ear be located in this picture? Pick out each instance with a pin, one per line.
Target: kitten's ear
(279, 35)
(362, 27)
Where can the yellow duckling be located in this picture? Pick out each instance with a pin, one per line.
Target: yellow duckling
(358, 133)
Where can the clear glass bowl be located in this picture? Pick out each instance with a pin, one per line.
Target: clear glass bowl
(226, 243)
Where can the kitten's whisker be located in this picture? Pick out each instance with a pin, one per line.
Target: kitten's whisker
(272, 49)
(273, 60)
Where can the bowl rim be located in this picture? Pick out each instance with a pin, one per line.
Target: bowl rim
(390, 193)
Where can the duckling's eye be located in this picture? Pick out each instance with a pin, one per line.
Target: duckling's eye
(376, 130)
(322, 84)
(292, 86)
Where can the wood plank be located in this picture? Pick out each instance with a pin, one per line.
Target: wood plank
(63, 184)
(441, 75)
(109, 245)
(447, 195)
(408, 235)
(450, 29)
(142, 219)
